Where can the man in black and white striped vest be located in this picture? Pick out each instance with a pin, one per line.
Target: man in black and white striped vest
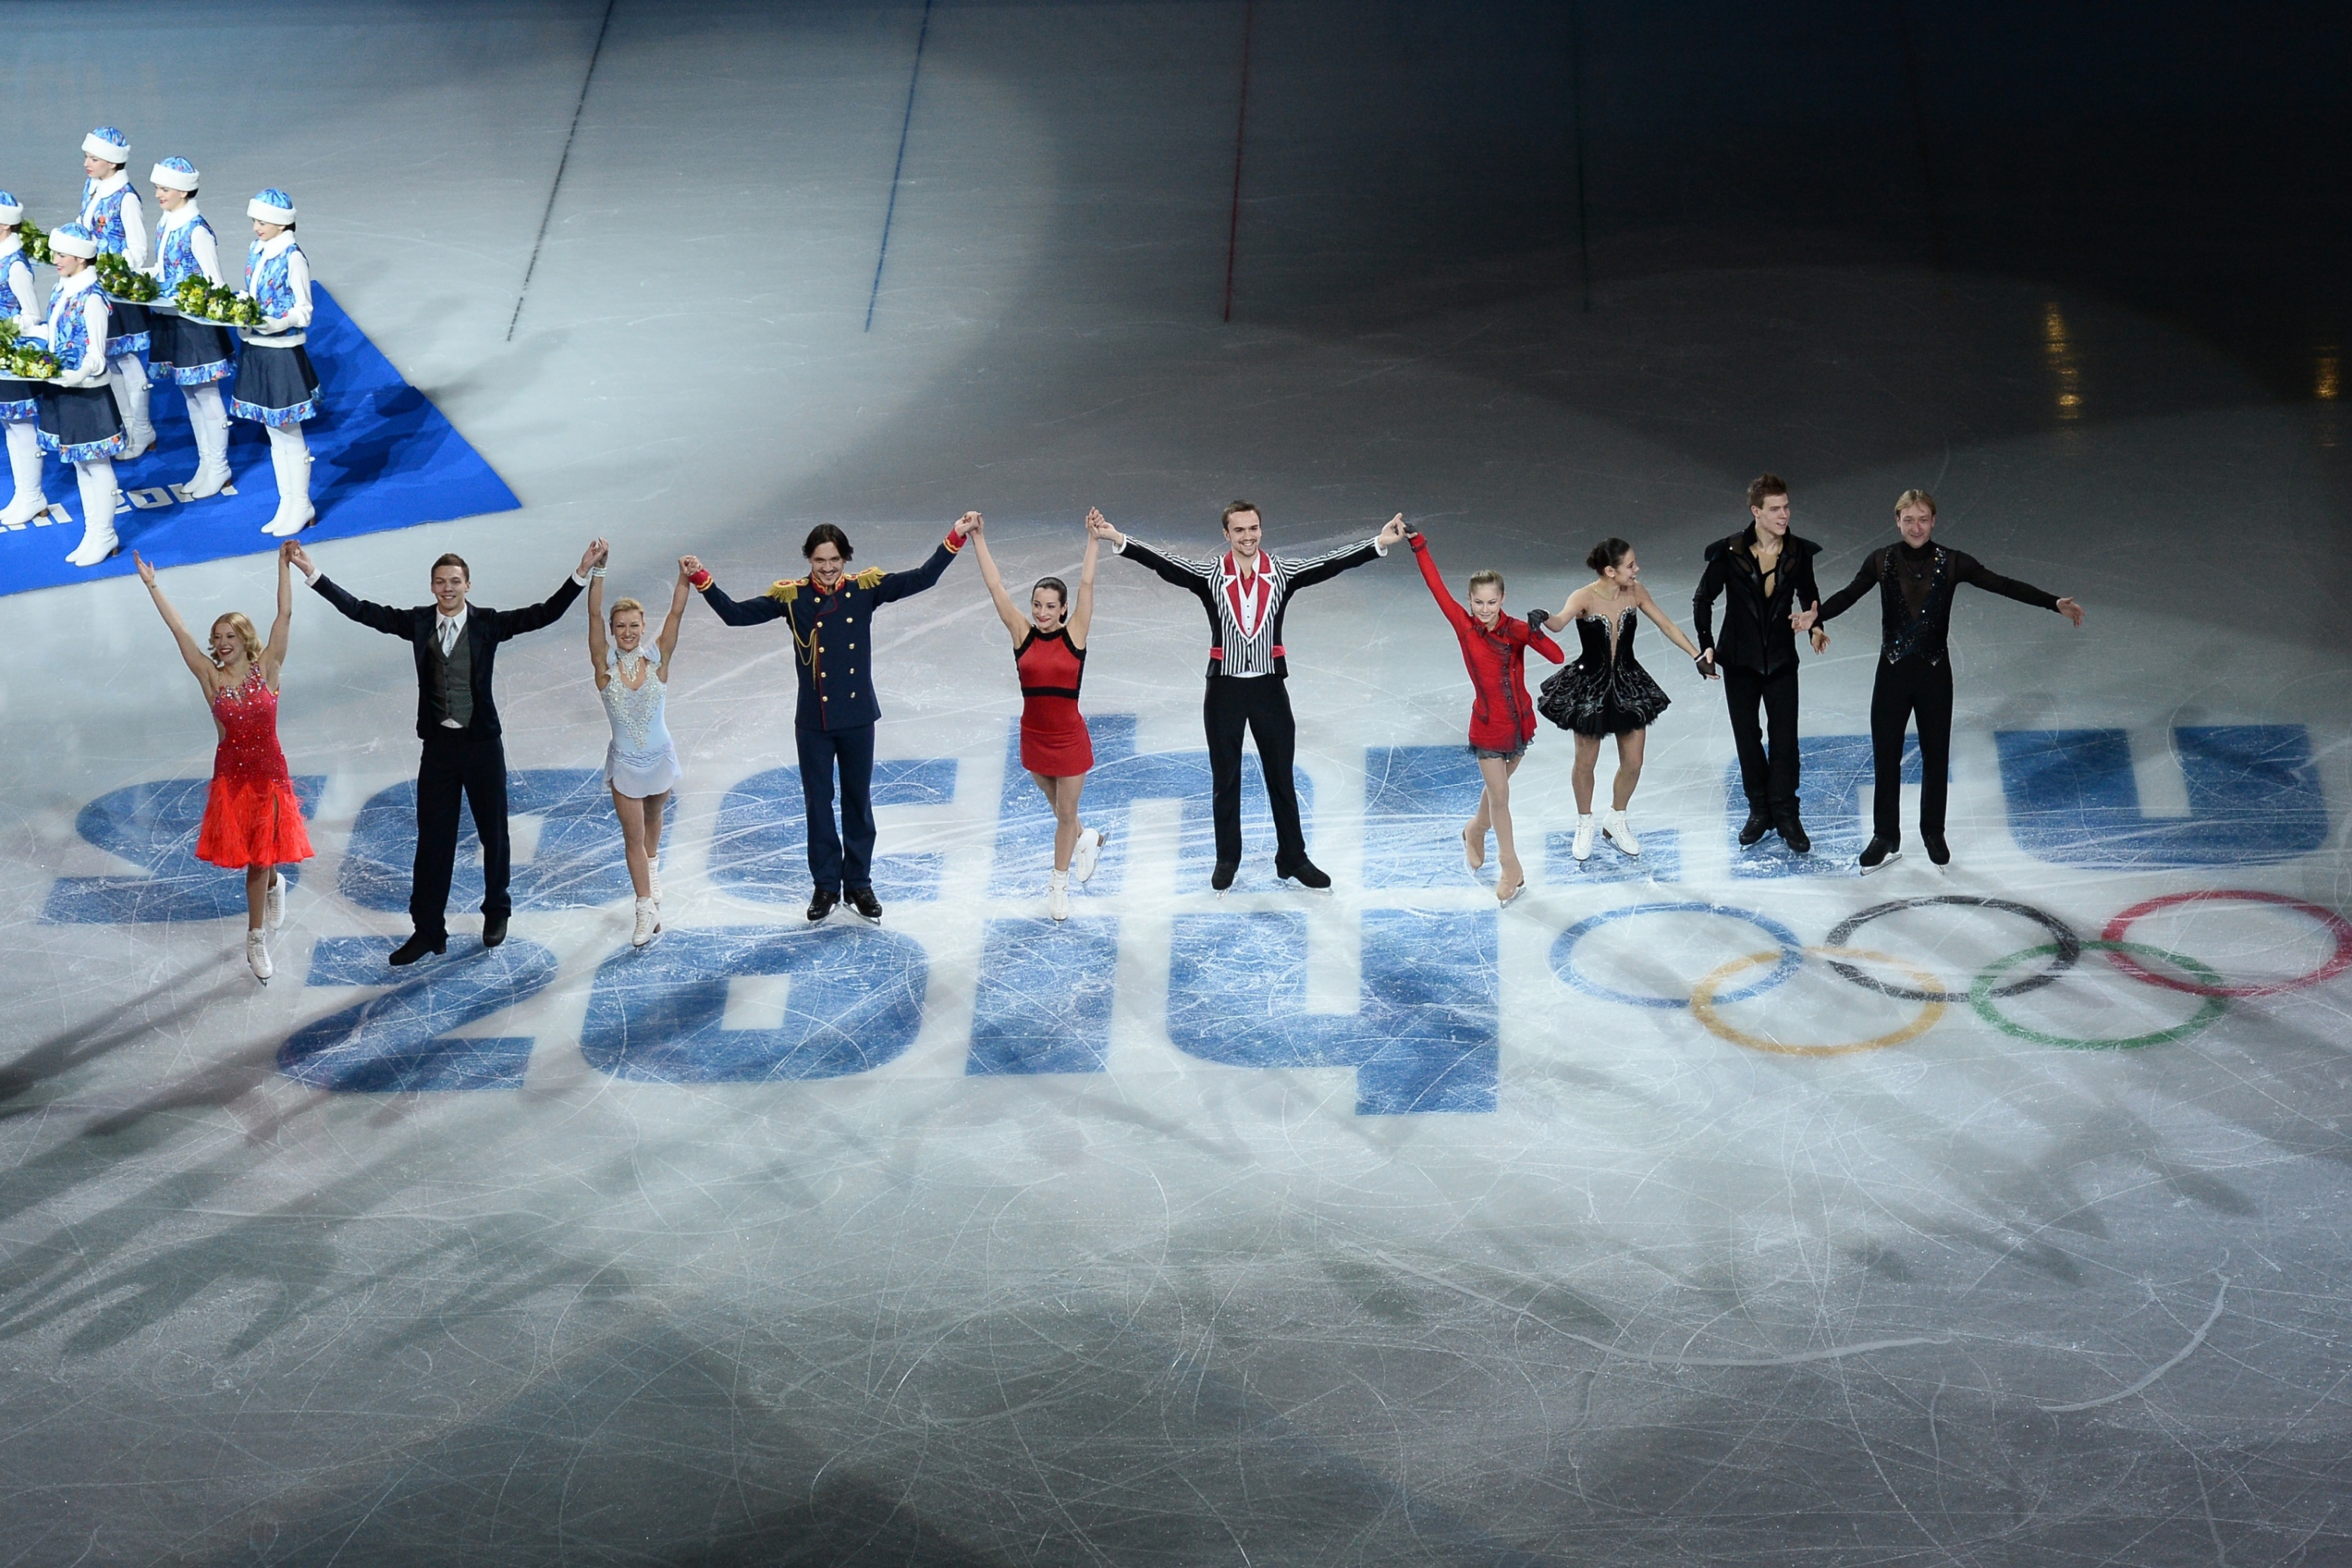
(1246, 592)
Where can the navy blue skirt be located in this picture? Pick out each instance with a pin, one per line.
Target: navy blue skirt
(129, 331)
(187, 353)
(80, 423)
(276, 386)
(19, 399)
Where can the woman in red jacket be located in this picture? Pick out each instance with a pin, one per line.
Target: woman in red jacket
(1502, 719)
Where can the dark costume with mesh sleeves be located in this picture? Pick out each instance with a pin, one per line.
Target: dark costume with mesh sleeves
(1915, 670)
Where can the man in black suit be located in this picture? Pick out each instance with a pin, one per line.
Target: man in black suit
(457, 646)
(1765, 576)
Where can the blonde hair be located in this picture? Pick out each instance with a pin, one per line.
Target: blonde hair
(235, 621)
(618, 606)
(1909, 498)
(1480, 579)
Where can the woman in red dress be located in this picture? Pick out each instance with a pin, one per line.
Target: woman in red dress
(1049, 651)
(1502, 720)
(253, 823)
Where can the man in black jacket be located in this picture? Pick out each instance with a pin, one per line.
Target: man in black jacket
(1766, 575)
(456, 646)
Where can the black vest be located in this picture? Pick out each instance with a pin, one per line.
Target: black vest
(1902, 634)
(453, 678)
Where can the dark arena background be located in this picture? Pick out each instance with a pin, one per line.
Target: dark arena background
(1716, 1205)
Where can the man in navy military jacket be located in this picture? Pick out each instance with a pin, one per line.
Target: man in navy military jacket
(831, 616)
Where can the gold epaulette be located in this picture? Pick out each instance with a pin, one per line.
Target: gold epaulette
(870, 579)
(787, 589)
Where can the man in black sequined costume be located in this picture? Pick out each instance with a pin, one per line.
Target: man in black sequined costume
(1915, 581)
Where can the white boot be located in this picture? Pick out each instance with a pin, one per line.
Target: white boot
(289, 455)
(652, 884)
(273, 902)
(1620, 833)
(128, 377)
(648, 924)
(1582, 849)
(256, 956)
(99, 495)
(1088, 854)
(1057, 895)
(25, 468)
(209, 420)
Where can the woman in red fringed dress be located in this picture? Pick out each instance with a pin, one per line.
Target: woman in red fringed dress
(1049, 652)
(253, 823)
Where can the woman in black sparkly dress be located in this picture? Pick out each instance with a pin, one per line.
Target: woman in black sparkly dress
(1606, 691)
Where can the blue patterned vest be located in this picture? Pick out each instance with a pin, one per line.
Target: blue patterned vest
(11, 304)
(177, 250)
(266, 278)
(72, 340)
(104, 218)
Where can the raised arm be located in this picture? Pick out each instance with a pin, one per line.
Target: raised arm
(1323, 568)
(549, 610)
(1458, 617)
(896, 585)
(281, 630)
(596, 629)
(199, 663)
(1188, 575)
(1649, 606)
(367, 612)
(1006, 611)
(1083, 613)
(749, 613)
(666, 644)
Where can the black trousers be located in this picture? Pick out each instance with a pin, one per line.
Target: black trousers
(475, 767)
(1905, 688)
(1262, 706)
(1768, 771)
(843, 860)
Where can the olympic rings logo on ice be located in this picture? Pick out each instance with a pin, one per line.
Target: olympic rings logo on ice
(1994, 983)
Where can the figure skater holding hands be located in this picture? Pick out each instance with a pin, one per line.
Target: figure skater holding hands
(1502, 720)
(253, 820)
(641, 762)
(1606, 691)
(1049, 655)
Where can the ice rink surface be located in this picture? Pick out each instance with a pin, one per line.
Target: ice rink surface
(1618, 1226)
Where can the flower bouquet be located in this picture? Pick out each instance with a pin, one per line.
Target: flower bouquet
(35, 240)
(123, 282)
(26, 361)
(221, 307)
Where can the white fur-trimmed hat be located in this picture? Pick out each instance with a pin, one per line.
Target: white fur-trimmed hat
(11, 209)
(108, 143)
(272, 205)
(172, 174)
(72, 239)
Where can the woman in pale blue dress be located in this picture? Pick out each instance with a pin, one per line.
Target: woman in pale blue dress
(641, 762)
